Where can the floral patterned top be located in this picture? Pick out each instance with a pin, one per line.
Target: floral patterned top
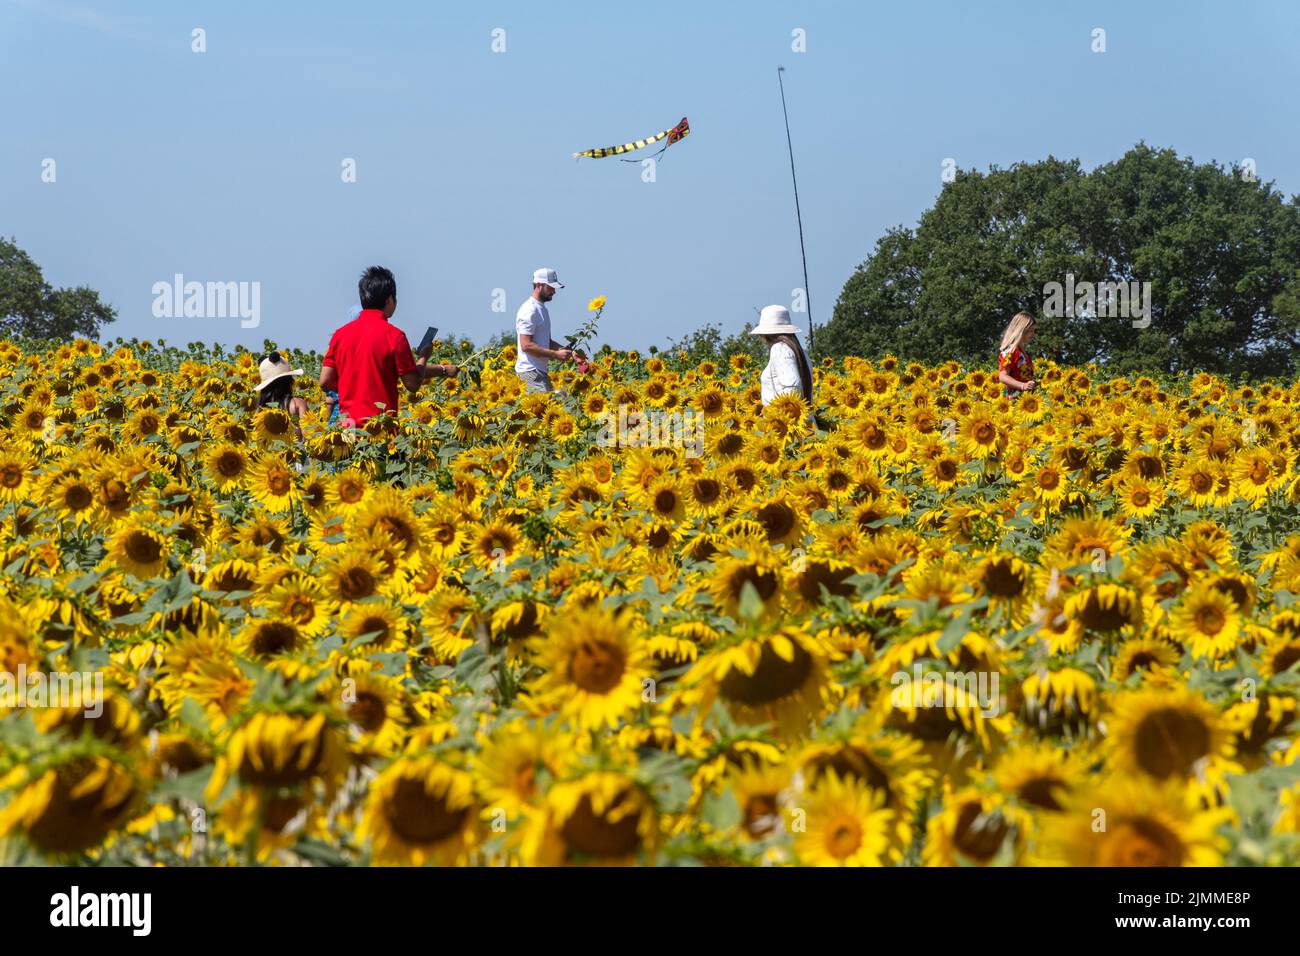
(1019, 366)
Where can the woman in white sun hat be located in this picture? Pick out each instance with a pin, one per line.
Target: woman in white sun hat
(788, 371)
(276, 388)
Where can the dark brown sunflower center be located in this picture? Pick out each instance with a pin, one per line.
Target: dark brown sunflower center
(1210, 619)
(356, 583)
(398, 530)
(1002, 580)
(230, 464)
(979, 834)
(71, 823)
(777, 519)
(773, 679)
(1141, 842)
(142, 548)
(420, 817)
(707, 490)
(1041, 792)
(765, 582)
(665, 501)
(274, 637)
(760, 814)
(280, 811)
(77, 497)
(1170, 741)
(731, 443)
(1099, 616)
(368, 711)
(378, 627)
(819, 574)
(597, 835)
(597, 666)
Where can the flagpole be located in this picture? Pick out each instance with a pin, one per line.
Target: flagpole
(797, 214)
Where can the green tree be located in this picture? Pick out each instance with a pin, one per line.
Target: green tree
(31, 307)
(708, 343)
(1221, 252)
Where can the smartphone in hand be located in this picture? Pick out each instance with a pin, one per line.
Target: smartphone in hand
(426, 343)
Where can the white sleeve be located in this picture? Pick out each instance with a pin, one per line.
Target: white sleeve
(526, 322)
(785, 367)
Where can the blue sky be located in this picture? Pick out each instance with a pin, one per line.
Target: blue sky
(225, 166)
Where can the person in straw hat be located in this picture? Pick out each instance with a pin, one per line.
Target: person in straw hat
(276, 388)
(787, 371)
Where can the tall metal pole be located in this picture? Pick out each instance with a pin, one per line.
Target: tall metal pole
(797, 214)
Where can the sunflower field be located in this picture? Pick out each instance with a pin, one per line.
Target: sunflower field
(918, 625)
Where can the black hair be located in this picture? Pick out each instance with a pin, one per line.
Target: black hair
(377, 286)
(278, 392)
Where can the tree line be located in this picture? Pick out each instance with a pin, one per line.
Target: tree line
(1218, 250)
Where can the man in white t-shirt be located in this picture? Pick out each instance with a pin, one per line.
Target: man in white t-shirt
(533, 325)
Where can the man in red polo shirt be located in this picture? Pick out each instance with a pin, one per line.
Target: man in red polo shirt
(369, 356)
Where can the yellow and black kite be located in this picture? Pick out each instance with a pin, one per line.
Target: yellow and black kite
(676, 134)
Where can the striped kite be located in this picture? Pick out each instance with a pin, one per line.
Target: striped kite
(673, 135)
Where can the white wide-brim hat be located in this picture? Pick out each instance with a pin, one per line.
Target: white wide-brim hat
(774, 320)
(273, 371)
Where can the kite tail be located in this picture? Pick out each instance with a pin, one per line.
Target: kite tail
(625, 148)
(675, 135)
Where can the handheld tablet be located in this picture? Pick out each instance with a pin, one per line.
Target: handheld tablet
(426, 343)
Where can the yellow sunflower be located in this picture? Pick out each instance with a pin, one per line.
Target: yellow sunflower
(1170, 734)
(227, 465)
(139, 550)
(973, 829)
(780, 677)
(72, 805)
(596, 668)
(270, 483)
(1207, 621)
(843, 823)
(420, 810)
(603, 818)
(1132, 821)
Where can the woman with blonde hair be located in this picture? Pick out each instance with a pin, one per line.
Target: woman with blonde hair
(1015, 368)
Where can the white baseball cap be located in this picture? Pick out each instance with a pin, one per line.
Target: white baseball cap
(774, 320)
(547, 277)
